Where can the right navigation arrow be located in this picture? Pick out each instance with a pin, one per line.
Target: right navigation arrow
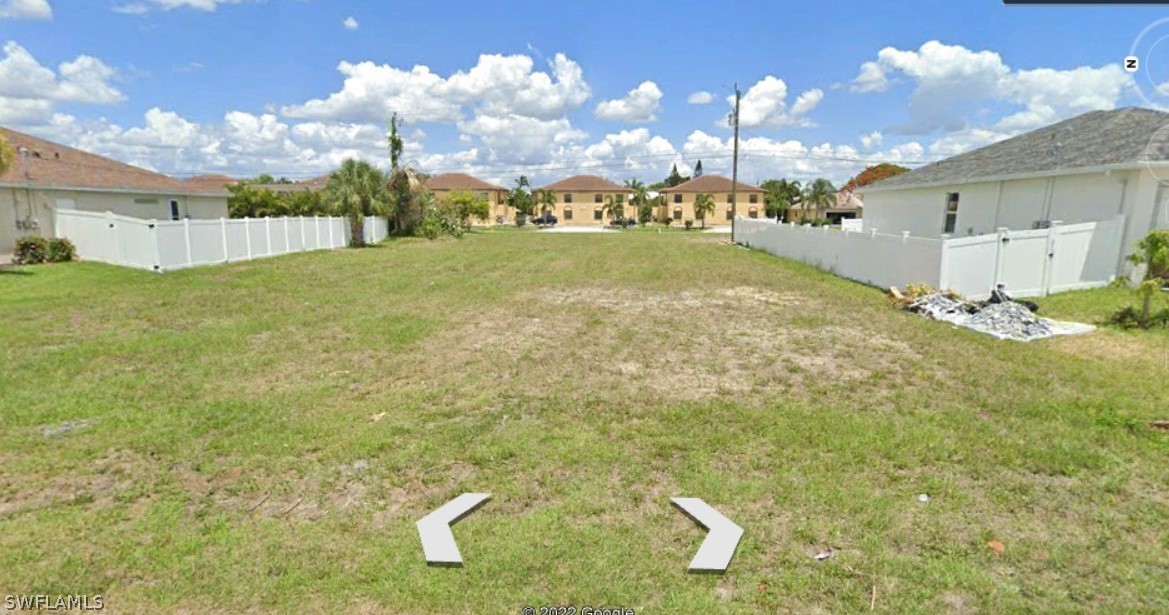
(716, 551)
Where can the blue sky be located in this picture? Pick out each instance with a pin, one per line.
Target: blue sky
(288, 87)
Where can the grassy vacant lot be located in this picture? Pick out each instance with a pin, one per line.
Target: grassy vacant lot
(262, 437)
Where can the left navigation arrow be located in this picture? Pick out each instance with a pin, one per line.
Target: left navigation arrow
(438, 543)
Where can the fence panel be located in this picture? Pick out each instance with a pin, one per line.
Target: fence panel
(968, 265)
(165, 245)
(207, 242)
(172, 245)
(1086, 255)
(1028, 263)
(879, 260)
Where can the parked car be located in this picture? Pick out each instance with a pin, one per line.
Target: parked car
(546, 219)
(623, 222)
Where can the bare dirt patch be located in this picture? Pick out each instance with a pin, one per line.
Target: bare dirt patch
(684, 345)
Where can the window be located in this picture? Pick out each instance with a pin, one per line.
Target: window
(677, 213)
(597, 213)
(567, 197)
(951, 212)
(677, 197)
(597, 198)
(174, 210)
(753, 212)
(620, 199)
(730, 215)
(730, 198)
(754, 198)
(567, 214)
(483, 195)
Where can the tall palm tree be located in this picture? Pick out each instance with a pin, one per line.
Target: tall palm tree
(703, 205)
(820, 194)
(547, 200)
(357, 190)
(612, 208)
(639, 195)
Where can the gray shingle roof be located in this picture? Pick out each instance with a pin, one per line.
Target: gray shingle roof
(1097, 138)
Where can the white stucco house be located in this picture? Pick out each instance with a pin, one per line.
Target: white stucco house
(46, 177)
(1092, 167)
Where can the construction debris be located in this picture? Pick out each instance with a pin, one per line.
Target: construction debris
(1001, 316)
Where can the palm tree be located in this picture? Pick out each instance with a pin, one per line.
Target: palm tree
(357, 190)
(782, 196)
(406, 189)
(819, 194)
(639, 196)
(521, 198)
(612, 208)
(547, 200)
(703, 205)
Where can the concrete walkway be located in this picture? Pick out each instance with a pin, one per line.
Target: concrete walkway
(576, 229)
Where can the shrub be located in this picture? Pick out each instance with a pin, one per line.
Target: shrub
(61, 250)
(689, 224)
(666, 220)
(31, 251)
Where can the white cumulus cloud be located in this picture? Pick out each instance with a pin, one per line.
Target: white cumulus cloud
(700, 98)
(765, 104)
(26, 9)
(350, 23)
(641, 104)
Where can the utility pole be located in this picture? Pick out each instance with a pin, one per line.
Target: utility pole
(735, 164)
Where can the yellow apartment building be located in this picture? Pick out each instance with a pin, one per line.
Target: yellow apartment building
(581, 199)
(443, 185)
(679, 200)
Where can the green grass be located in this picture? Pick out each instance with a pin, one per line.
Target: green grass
(262, 436)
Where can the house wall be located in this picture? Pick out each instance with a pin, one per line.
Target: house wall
(501, 213)
(15, 207)
(985, 206)
(583, 205)
(722, 207)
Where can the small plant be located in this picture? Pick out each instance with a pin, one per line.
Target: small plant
(666, 220)
(689, 224)
(1153, 253)
(61, 250)
(31, 250)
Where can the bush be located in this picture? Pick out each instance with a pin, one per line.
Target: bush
(31, 251)
(61, 250)
(689, 224)
(666, 220)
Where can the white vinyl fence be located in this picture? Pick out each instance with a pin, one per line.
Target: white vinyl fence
(166, 245)
(1028, 263)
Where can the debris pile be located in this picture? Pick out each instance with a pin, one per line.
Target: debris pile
(1000, 316)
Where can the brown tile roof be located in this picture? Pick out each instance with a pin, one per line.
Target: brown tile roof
(212, 182)
(315, 184)
(459, 181)
(51, 165)
(712, 183)
(584, 183)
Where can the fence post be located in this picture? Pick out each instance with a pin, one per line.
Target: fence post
(113, 224)
(1049, 260)
(187, 236)
(1000, 240)
(223, 230)
(268, 232)
(872, 233)
(317, 229)
(303, 241)
(156, 256)
(287, 241)
(943, 262)
(248, 235)
(904, 237)
(330, 228)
